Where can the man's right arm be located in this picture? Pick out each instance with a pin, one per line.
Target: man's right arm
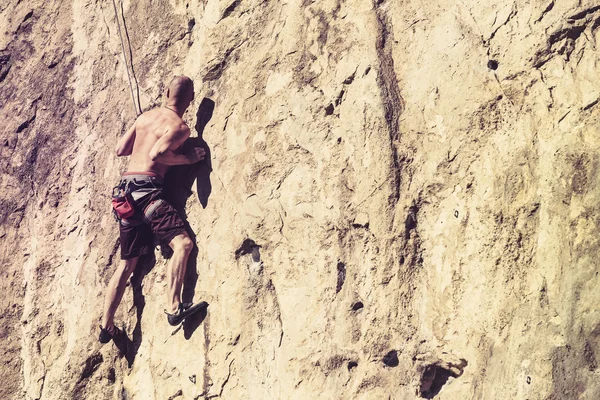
(125, 145)
(162, 151)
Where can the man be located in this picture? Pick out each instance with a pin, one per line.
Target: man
(152, 144)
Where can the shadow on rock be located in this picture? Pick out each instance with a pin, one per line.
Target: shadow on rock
(435, 375)
(191, 323)
(145, 265)
(177, 191)
(180, 178)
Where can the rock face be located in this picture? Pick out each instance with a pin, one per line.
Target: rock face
(401, 199)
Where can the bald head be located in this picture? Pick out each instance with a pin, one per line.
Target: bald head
(180, 91)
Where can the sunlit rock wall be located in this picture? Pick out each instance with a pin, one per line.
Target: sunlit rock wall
(419, 181)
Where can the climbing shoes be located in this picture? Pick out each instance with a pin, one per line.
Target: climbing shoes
(184, 311)
(117, 335)
(106, 335)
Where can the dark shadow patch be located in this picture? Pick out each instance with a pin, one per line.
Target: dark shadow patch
(27, 16)
(411, 221)
(231, 8)
(25, 25)
(112, 376)
(179, 179)
(123, 343)
(202, 173)
(248, 246)
(216, 68)
(340, 97)
(357, 306)
(565, 383)
(191, 24)
(25, 124)
(191, 323)
(341, 276)
(350, 79)
(434, 378)
(177, 394)
(329, 109)
(5, 65)
(391, 359)
(91, 365)
(590, 356)
(145, 265)
(352, 365)
(436, 375)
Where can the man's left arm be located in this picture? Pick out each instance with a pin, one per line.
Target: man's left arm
(125, 145)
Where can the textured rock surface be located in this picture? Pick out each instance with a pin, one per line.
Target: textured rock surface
(421, 180)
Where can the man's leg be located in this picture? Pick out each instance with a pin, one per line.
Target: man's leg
(182, 246)
(115, 290)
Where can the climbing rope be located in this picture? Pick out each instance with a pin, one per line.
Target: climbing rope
(137, 107)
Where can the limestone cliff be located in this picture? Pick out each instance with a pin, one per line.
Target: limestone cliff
(401, 199)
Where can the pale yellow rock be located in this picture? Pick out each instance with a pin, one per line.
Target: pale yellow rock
(420, 182)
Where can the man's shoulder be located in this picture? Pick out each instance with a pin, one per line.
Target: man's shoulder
(180, 130)
(174, 125)
(147, 116)
(161, 121)
(182, 126)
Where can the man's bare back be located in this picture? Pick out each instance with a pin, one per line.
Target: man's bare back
(154, 141)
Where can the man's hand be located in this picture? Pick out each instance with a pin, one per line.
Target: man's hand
(195, 154)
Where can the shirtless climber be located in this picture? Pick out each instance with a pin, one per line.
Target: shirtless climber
(153, 143)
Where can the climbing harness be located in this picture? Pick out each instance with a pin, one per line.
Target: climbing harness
(132, 188)
(122, 203)
(137, 107)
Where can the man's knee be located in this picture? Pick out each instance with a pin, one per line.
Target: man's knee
(182, 243)
(129, 265)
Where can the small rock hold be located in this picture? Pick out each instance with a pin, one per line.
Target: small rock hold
(27, 16)
(391, 359)
(329, 109)
(111, 376)
(361, 220)
(340, 97)
(435, 375)
(247, 247)
(341, 276)
(5, 65)
(411, 220)
(179, 393)
(357, 306)
(349, 79)
(352, 365)
(492, 64)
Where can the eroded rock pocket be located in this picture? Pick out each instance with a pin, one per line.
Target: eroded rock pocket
(435, 375)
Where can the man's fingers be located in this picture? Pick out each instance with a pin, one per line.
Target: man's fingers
(197, 154)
